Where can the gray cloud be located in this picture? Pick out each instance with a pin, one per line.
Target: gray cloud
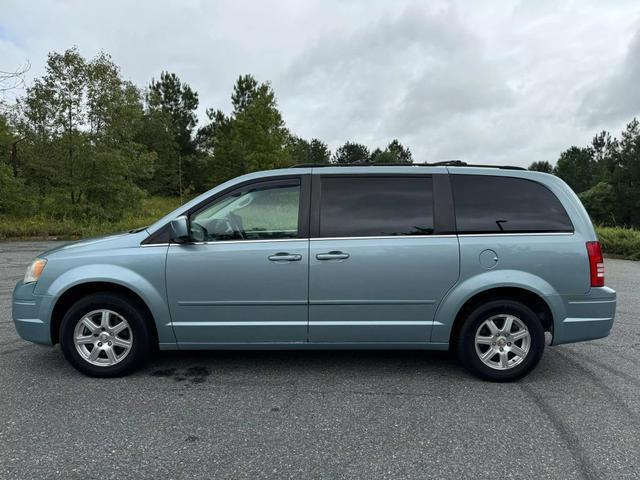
(394, 76)
(618, 97)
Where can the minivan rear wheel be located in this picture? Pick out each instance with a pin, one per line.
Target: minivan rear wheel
(501, 340)
(105, 335)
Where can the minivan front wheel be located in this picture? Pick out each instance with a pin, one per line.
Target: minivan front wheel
(104, 335)
(501, 340)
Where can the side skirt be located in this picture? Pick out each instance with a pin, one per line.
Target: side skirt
(307, 346)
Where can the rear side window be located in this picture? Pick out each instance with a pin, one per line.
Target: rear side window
(376, 206)
(490, 204)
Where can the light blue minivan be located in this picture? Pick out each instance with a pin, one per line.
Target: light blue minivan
(479, 260)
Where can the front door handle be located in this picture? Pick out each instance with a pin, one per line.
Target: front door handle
(285, 257)
(332, 256)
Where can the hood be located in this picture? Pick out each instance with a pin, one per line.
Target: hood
(97, 243)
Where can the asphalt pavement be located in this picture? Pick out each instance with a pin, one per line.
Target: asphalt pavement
(316, 414)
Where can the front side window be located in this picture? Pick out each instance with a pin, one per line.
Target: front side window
(492, 204)
(376, 206)
(268, 211)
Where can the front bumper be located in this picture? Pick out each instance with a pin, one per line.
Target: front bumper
(31, 314)
(587, 317)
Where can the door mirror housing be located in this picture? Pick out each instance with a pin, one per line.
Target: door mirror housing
(180, 230)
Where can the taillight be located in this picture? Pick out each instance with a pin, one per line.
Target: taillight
(596, 264)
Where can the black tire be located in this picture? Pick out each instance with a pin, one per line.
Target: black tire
(134, 315)
(466, 347)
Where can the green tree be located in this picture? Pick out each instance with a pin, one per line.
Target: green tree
(600, 202)
(65, 82)
(79, 123)
(6, 140)
(541, 166)
(381, 156)
(319, 152)
(176, 98)
(245, 91)
(401, 154)
(309, 152)
(576, 166)
(254, 137)
(156, 133)
(626, 175)
(603, 150)
(351, 152)
(13, 196)
(35, 127)
(394, 153)
(259, 136)
(169, 130)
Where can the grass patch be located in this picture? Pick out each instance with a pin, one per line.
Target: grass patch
(41, 226)
(620, 242)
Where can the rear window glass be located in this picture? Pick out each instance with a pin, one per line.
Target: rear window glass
(490, 204)
(376, 206)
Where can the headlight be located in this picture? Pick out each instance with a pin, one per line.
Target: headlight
(34, 270)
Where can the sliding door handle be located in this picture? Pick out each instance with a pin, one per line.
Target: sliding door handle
(285, 257)
(332, 256)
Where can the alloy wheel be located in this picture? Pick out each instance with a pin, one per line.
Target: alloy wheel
(103, 337)
(502, 341)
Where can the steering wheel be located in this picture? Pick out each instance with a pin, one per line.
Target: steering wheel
(198, 232)
(234, 226)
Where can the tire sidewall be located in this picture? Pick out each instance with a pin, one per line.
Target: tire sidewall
(141, 339)
(466, 341)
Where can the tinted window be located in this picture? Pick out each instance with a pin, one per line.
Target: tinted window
(260, 212)
(502, 204)
(376, 206)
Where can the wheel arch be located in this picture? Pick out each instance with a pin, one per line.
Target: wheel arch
(527, 297)
(81, 290)
(515, 284)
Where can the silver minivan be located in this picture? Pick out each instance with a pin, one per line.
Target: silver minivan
(479, 260)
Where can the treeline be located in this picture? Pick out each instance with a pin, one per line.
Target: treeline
(605, 175)
(84, 142)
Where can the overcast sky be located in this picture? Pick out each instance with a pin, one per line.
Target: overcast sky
(483, 81)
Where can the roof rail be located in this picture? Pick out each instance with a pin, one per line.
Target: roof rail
(445, 163)
(502, 167)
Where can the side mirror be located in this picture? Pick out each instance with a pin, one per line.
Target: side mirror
(180, 230)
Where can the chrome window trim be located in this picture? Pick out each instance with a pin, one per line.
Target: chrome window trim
(383, 237)
(379, 237)
(524, 234)
(227, 242)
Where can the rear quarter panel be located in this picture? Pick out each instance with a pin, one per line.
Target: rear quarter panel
(553, 265)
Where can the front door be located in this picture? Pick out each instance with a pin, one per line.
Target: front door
(378, 267)
(244, 276)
